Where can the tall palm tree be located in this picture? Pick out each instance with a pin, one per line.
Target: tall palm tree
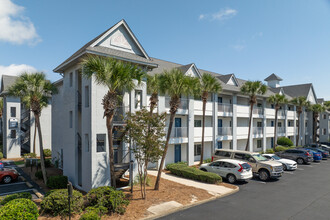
(153, 89)
(117, 76)
(316, 109)
(327, 105)
(34, 91)
(300, 102)
(174, 84)
(208, 85)
(252, 89)
(277, 100)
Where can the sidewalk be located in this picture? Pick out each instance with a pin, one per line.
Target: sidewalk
(216, 190)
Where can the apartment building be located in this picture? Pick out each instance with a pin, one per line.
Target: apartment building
(18, 124)
(79, 137)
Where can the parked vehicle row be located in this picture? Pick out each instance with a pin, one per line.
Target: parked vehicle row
(235, 165)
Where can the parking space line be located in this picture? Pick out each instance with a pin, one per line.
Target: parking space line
(299, 169)
(13, 184)
(18, 191)
(288, 172)
(261, 182)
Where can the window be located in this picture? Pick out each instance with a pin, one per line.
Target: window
(86, 143)
(219, 100)
(324, 116)
(215, 164)
(279, 124)
(71, 79)
(324, 131)
(100, 142)
(271, 123)
(198, 149)
(290, 124)
(198, 123)
(239, 156)
(138, 99)
(222, 153)
(13, 112)
(230, 145)
(289, 108)
(71, 119)
(230, 124)
(86, 96)
(229, 101)
(259, 124)
(219, 144)
(13, 134)
(272, 106)
(259, 144)
(228, 165)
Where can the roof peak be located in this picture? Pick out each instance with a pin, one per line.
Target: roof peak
(272, 77)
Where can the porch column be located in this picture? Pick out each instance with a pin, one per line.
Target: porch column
(234, 122)
(264, 125)
(191, 119)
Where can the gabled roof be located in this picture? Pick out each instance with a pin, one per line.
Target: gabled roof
(92, 48)
(298, 90)
(320, 101)
(226, 78)
(6, 82)
(273, 77)
(279, 90)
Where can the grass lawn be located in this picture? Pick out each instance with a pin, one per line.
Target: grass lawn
(20, 162)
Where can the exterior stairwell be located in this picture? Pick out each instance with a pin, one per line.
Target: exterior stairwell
(122, 166)
(25, 132)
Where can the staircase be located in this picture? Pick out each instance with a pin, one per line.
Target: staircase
(120, 169)
(25, 132)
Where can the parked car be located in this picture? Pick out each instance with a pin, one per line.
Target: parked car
(262, 167)
(319, 146)
(232, 170)
(299, 155)
(317, 157)
(325, 143)
(286, 163)
(324, 153)
(7, 175)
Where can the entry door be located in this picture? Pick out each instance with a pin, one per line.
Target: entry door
(219, 144)
(177, 125)
(219, 123)
(177, 153)
(272, 142)
(178, 122)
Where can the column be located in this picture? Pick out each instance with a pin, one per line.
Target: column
(295, 126)
(302, 128)
(191, 118)
(234, 122)
(286, 119)
(264, 124)
(251, 133)
(215, 121)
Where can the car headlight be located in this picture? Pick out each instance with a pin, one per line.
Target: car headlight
(271, 168)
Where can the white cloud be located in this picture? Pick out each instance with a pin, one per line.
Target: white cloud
(16, 28)
(259, 34)
(15, 70)
(223, 14)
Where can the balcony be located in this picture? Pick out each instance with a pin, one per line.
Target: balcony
(223, 131)
(258, 111)
(280, 130)
(225, 108)
(257, 130)
(281, 113)
(183, 103)
(178, 132)
(120, 114)
(198, 108)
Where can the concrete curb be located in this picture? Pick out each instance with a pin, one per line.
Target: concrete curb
(192, 205)
(28, 184)
(40, 196)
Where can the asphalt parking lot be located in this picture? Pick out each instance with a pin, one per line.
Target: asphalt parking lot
(301, 194)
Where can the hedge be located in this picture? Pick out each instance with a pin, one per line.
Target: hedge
(193, 173)
(24, 195)
(57, 182)
(19, 209)
(281, 148)
(284, 141)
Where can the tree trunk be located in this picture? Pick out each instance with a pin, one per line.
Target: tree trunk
(34, 136)
(275, 129)
(203, 130)
(153, 102)
(298, 127)
(250, 127)
(165, 150)
(42, 158)
(111, 156)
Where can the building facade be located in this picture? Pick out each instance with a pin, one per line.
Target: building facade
(79, 137)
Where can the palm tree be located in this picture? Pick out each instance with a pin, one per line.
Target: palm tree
(208, 84)
(252, 89)
(173, 83)
(327, 105)
(300, 102)
(153, 89)
(277, 100)
(117, 76)
(34, 91)
(316, 109)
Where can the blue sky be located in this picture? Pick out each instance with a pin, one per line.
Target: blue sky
(249, 38)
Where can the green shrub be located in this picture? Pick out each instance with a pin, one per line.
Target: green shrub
(284, 141)
(281, 148)
(57, 182)
(22, 195)
(38, 174)
(108, 197)
(1, 155)
(48, 163)
(47, 152)
(270, 151)
(19, 209)
(170, 164)
(30, 155)
(56, 203)
(194, 173)
(93, 213)
(209, 160)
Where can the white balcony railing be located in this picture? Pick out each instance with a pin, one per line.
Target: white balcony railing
(257, 130)
(178, 132)
(258, 111)
(281, 113)
(183, 103)
(280, 130)
(225, 131)
(226, 108)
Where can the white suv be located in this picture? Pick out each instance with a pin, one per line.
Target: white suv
(286, 163)
(232, 170)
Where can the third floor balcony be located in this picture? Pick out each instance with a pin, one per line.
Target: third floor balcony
(223, 131)
(183, 103)
(225, 108)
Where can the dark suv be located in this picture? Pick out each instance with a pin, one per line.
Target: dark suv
(299, 155)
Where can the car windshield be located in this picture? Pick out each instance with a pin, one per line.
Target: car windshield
(259, 157)
(276, 157)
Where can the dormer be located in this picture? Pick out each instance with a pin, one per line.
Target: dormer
(273, 81)
(190, 70)
(229, 79)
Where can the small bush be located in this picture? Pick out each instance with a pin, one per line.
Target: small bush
(194, 173)
(281, 148)
(137, 181)
(30, 155)
(38, 174)
(170, 164)
(48, 163)
(19, 209)
(1, 155)
(47, 152)
(56, 203)
(209, 160)
(108, 197)
(270, 151)
(57, 182)
(284, 141)
(24, 195)
(93, 213)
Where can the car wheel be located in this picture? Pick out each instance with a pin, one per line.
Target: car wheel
(231, 178)
(284, 167)
(300, 161)
(203, 170)
(263, 175)
(7, 179)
